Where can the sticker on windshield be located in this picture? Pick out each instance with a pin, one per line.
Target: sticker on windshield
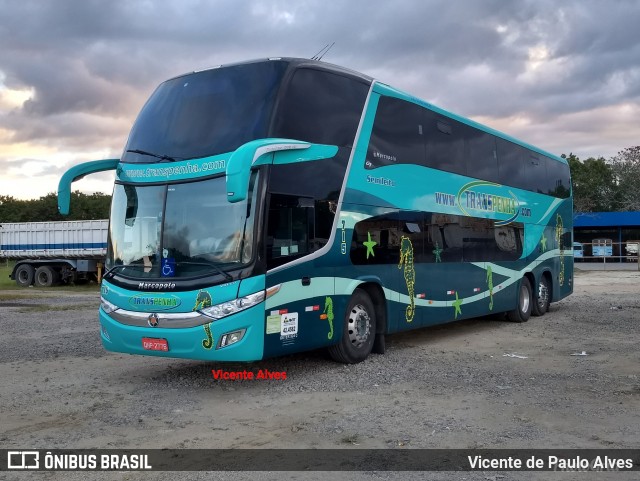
(168, 267)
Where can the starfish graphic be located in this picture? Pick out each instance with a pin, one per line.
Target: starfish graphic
(456, 304)
(369, 244)
(437, 251)
(543, 243)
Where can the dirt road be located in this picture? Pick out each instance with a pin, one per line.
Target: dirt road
(446, 386)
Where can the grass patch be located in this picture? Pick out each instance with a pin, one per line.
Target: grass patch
(46, 308)
(16, 296)
(5, 271)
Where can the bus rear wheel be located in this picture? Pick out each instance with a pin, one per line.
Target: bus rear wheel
(541, 298)
(522, 312)
(358, 330)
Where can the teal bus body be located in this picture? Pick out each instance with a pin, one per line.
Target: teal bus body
(339, 243)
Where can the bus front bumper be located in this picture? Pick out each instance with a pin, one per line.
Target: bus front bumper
(200, 342)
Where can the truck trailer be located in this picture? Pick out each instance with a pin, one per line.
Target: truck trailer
(49, 253)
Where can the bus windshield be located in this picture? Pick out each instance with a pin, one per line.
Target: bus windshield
(205, 113)
(179, 230)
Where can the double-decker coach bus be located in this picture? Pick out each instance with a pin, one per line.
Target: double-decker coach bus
(282, 205)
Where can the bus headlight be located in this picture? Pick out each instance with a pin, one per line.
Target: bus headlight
(227, 308)
(107, 306)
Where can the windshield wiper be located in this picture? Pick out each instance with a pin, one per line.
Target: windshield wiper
(151, 154)
(226, 275)
(110, 273)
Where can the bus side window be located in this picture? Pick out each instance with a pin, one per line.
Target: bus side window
(558, 179)
(482, 158)
(396, 137)
(385, 234)
(320, 107)
(511, 163)
(302, 192)
(444, 143)
(535, 172)
(289, 230)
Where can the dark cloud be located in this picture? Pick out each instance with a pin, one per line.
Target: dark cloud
(93, 63)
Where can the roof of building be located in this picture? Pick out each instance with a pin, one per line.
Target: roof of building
(606, 219)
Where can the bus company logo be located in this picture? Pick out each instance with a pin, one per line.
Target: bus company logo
(156, 285)
(471, 198)
(157, 303)
(153, 320)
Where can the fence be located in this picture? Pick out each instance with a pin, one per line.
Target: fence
(606, 252)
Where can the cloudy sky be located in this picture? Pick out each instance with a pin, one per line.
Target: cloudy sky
(562, 75)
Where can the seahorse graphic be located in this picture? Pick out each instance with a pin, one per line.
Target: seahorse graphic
(490, 284)
(437, 251)
(560, 242)
(328, 310)
(203, 299)
(406, 260)
(208, 342)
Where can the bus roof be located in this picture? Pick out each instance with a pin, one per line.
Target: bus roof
(387, 89)
(298, 62)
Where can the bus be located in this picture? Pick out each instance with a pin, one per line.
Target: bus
(578, 251)
(602, 248)
(282, 205)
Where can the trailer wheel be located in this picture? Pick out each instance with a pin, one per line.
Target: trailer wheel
(24, 275)
(522, 312)
(358, 330)
(46, 276)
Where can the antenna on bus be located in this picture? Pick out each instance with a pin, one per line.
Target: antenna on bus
(323, 51)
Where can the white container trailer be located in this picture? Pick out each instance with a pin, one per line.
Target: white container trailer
(51, 252)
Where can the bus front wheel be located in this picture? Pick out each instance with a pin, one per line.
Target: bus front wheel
(358, 330)
(522, 312)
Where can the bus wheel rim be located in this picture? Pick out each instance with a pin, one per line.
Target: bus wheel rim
(524, 298)
(543, 294)
(359, 325)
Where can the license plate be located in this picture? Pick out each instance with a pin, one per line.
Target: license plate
(155, 344)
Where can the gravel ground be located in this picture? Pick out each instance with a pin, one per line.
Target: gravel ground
(442, 387)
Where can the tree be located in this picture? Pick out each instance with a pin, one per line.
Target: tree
(594, 184)
(83, 207)
(626, 169)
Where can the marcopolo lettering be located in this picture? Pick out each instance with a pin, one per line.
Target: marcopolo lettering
(156, 285)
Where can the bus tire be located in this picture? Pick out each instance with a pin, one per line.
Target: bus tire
(358, 330)
(45, 276)
(541, 298)
(522, 312)
(24, 275)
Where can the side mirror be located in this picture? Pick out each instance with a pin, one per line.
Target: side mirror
(78, 172)
(250, 154)
(257, 152)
